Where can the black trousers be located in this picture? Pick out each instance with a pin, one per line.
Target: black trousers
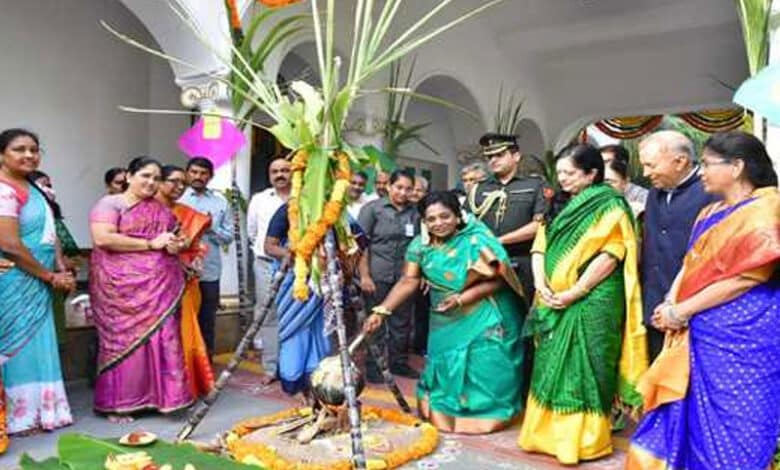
(393, 337)
(522, 267)
(655, 342)
(207, 316)
(422, 312)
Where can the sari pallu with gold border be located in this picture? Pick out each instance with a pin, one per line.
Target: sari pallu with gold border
(713, 394)
(473, 376)
(196, 357)
(136, 298)
(590, 355)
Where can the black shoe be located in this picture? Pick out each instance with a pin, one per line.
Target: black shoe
(374, 377)
(405, 371)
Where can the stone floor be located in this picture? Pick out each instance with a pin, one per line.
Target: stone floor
(244, 397)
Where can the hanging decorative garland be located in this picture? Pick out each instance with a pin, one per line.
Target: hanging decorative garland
(303, 248)
(718, 120)
(624, 128)
(711, 121)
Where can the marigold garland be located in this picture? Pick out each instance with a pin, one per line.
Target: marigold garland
(303, 248)
(267, 456)
(278, 3)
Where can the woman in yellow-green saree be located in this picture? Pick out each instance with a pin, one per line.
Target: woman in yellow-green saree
(587, 318)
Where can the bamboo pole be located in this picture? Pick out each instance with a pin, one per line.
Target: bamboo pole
(202, 408)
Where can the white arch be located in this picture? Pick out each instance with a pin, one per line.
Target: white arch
(530, 139)
(177, 40)
(453, 134)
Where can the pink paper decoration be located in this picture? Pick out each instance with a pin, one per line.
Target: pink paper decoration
(201, 140)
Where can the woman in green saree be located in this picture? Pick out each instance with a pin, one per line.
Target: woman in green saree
(472, 380)
(587, 318)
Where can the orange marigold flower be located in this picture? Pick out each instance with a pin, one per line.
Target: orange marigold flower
(235, 20)
(278, 3)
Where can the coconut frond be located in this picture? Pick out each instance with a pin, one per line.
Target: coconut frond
(509, 112)
(754, 16)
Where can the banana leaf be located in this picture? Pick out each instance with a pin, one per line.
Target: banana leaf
(383, 160)
(82, 452)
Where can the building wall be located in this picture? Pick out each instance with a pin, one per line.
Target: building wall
(64, 76)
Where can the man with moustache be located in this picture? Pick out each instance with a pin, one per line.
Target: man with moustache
(669, 160)
(262, 207)
(381, 183)
(198, 196)
(421, 186)
(510, 204)
(356, 195)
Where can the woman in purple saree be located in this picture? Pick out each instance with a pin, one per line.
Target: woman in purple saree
(136, 283)
(712, 396)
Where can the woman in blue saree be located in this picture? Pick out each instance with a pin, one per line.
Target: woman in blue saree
(303, 333)
(32, 394)
(712, 396)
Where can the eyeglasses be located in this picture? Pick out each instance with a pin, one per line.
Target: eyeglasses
(706, 165)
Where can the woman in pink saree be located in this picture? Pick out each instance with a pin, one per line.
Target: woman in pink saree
(136, 284)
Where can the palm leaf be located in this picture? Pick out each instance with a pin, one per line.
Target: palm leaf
(508, 113)
(754, 17)
(437, 101)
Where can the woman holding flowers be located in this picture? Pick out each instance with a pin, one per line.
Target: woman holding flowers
(135, 286)
(192, 225)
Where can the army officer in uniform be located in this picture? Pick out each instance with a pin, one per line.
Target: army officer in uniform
(510, 204)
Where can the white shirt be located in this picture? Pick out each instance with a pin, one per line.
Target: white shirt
(670, 192)
(262, 207)
(353, 208)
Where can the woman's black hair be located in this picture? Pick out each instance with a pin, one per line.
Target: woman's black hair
(109, 175)
(620, 167)
(447, 199)
(398, 174)
(10, 134)
(168, 170)
(586, 158)
(55, 207)
(737, 145)
(138, 163)
(36, 175)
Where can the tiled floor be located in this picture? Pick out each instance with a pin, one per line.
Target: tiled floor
(245, 397)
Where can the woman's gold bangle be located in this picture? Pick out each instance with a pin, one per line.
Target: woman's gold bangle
(459, 300)
(381, 310)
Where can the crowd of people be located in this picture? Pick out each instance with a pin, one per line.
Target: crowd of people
(573, 307)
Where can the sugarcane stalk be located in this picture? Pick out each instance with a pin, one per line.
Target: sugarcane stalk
(336, 281)
(202, 408)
